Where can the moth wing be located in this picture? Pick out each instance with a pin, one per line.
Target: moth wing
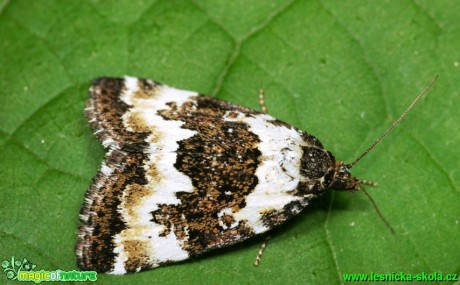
(184, 174)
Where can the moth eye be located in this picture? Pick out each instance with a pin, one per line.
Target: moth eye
(339, 184)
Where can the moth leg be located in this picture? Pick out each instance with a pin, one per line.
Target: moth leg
(261, 251)
(263, 108)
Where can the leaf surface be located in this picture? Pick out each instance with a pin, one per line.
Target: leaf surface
(340, 70)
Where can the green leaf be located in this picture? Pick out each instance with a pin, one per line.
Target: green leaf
(341, 70)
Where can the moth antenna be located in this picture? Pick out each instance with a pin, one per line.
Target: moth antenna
(395, 123)
(378, 210)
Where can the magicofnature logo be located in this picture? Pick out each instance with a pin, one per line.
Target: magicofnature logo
(23, 270)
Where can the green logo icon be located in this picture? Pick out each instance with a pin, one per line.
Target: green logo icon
(12, 267)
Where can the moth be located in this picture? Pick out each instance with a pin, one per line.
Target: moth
(185, 174)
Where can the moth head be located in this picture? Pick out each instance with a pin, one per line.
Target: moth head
(341, 178)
